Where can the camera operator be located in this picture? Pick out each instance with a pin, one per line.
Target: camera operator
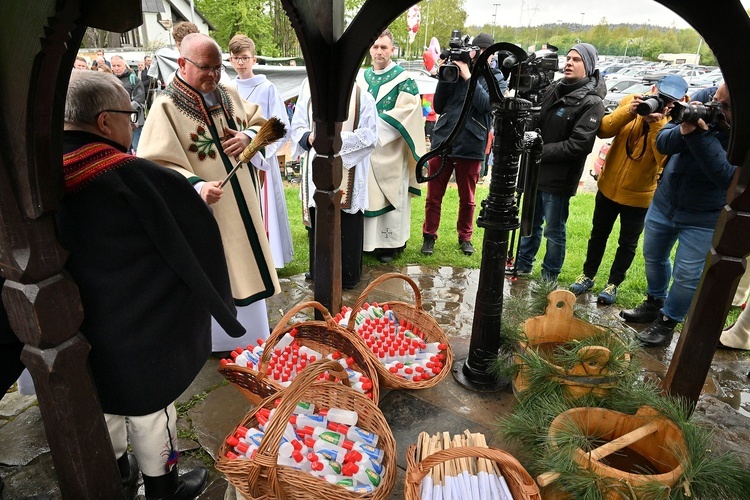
(468, 148)
(628, 180)
(686, 206)
(569, 119)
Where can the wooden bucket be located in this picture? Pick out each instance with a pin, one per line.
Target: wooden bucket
(629, 438)
(558, 326)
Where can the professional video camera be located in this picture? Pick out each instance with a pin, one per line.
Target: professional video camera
(650, 104)
(692, 112)
(535, 74)
(459, 50)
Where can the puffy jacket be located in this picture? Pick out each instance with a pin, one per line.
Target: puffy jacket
(448, 101)
(693, 188)
(137, 94)
(633, 163)
(569, 120)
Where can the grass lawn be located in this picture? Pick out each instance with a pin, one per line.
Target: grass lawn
(447, 253)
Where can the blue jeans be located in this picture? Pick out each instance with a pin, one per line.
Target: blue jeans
(552, 209)
(136, 138)
(660, 236)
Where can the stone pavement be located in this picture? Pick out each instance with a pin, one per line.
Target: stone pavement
(212, 408)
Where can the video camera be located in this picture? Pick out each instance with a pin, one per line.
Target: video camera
(534, 74)
(710, 112)
(459, 50)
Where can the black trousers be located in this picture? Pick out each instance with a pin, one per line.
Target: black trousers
(352, 241)
(606, 212)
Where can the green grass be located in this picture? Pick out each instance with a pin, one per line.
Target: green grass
(447, 253)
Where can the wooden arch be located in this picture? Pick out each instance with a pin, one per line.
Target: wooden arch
(40, 40)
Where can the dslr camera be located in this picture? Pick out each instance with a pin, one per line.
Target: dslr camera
(692, 112)
(650, 104)
(458, 50)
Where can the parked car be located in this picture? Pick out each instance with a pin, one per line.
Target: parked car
(621, 84)
(631, 72)
(612, 99)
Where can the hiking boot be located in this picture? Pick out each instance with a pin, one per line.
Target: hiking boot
(428, 247)
(645, 312)
(658, 333)
(608, 295)
(581, 285)
(466, 247)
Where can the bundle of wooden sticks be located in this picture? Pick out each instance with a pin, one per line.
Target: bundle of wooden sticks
(461, 478)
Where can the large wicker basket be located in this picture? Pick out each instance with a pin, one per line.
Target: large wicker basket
(415, 315)
(323, 336)
(262, 478)
(520, 483)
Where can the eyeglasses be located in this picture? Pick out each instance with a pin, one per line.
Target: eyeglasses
(133, 114)
(213, 69)
(243, 60)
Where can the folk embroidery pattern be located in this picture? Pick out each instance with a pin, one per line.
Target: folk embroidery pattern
(202, 144)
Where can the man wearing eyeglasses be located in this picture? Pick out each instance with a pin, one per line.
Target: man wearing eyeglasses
(146, 255)
(684, 211)
(259, 90)
(198, 127)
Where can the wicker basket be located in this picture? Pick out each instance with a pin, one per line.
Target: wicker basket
(323, 336)
(262, 478)
(520, 483)
(415, 315)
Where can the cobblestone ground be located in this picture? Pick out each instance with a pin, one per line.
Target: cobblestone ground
(211, 408)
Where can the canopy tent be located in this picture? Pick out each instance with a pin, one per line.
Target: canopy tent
(287, 79)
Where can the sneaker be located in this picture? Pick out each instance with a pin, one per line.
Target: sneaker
(466, 247)
(523, 272)
(645, 312)
(658, 333)
(608, 295)
(581, 285)
(428, 247)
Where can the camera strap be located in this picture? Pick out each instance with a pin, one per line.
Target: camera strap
(644, 135)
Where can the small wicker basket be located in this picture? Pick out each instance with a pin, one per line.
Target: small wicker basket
(323, 336)
(262, 478)
(520, 483)
(415, 315)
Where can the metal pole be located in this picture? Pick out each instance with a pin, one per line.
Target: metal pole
(494, 20)
(498, 217)
(192, 11)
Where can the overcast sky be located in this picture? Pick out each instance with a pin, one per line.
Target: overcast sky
(535, 12)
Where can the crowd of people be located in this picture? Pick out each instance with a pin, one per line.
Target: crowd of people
(155, 169)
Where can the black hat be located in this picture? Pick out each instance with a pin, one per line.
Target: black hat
(483, 40)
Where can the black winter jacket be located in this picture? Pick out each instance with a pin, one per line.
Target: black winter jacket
(449, 99)
(569, 124)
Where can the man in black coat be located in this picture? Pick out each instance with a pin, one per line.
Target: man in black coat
(571, 111)
(467, 154)
(146, 254)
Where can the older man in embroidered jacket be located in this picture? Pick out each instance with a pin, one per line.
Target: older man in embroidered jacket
(198, 127)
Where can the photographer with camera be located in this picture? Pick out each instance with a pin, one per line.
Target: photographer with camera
(571, 109)
(628, 180)
(686, 206)
(469, 147)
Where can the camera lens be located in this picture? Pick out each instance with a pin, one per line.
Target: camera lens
(649, 104)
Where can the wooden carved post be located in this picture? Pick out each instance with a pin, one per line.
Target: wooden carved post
(332, 57)
(725, 264)
(40, 41)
